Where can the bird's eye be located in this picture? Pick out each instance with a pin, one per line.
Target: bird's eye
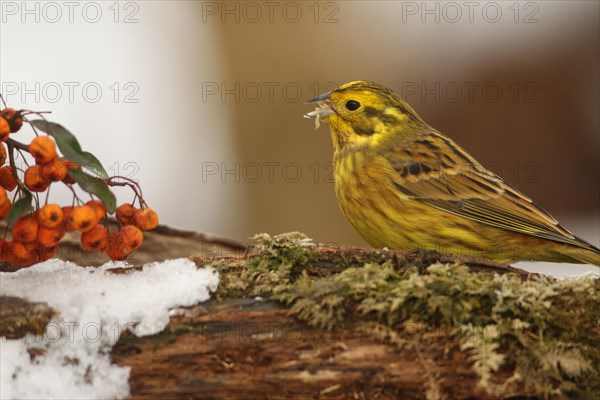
(352, 105)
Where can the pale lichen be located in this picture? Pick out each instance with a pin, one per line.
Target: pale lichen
(545, 331)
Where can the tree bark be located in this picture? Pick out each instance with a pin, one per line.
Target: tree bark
(252, 349)
(244, 348)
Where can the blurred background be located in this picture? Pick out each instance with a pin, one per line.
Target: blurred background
(202, 102)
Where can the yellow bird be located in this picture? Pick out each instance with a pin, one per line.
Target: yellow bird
(404, 185)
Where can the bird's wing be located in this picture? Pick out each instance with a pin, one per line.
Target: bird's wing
(439, 173)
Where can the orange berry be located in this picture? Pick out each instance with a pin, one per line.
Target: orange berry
(25, 229)
(43, 149)
(132, 236)
(4, 129)
(81, 218)
(46, 252)
(70, 165)
(99, 209)
(2, 154)
(67, 210)
(2, 249)
(124, 242)
(14, 119)
(34, 180)
(7, 179)
(125, 213)
(20, 254)
(55, 170)
(50, 216)
(146, 219)
(5, 208)
(116, 248)
(19, 249)
(5, 203)
(96, 239)
(50, 236)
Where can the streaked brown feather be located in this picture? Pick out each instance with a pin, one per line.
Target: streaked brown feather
(458, 184)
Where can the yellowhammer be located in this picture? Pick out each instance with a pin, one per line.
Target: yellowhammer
(404, 185)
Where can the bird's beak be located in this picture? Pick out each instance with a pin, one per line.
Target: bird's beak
(321, 97)
(324, 106)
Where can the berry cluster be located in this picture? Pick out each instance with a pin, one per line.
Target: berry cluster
(37, 230)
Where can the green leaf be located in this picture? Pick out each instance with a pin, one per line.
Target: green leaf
(69, 146)
(93, 164)
(20, 208)
(97, 187)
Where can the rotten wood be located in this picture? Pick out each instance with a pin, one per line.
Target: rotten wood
(253, 349)
(238, 348)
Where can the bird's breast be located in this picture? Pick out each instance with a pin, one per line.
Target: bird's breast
(366, 196)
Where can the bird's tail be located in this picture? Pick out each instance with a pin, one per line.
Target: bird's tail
(585, 256)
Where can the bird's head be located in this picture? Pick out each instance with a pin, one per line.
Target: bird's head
(363, 113)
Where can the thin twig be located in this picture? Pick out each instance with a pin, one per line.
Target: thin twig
(134, 185)
(17, 145)
(13, 168)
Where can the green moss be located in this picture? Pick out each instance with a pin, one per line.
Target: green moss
(19, 317)
(547, 331)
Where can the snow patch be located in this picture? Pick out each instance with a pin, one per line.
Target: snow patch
(94, 307)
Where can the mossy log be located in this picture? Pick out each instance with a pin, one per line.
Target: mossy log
(272, 331)
(19, 317)
(252, 349)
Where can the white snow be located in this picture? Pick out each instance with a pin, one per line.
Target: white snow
(94, 306)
